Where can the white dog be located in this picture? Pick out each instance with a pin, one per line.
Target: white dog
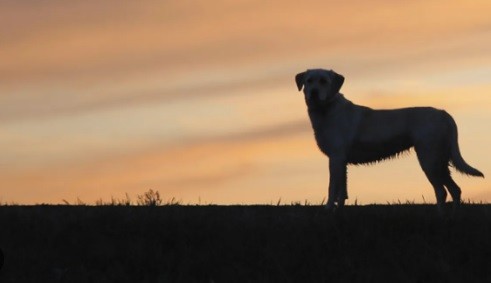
(352, 134)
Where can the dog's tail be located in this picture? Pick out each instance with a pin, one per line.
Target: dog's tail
(455, 156)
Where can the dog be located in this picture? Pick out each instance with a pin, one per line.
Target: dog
(353, 134)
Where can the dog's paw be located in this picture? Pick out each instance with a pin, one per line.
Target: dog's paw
(330, 207)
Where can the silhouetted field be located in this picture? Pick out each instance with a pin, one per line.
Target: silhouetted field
(400, 243)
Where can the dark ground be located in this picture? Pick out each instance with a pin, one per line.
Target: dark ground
(401, 243)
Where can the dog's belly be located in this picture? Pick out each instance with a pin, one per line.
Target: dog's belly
(367, 152)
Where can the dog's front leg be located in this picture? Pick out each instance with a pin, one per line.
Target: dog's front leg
(337, 182)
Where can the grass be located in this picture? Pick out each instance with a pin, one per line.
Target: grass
(277, 243)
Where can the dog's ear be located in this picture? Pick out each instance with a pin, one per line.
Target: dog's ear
(337, 81)
(299, 79)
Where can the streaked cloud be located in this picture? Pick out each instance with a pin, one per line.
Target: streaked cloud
(197, 99)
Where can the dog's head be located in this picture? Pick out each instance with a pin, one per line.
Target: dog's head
(319, 86)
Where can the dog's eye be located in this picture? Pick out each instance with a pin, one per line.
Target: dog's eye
(309, 80)
(323, 81)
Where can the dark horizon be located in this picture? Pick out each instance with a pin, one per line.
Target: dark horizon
(199, 102)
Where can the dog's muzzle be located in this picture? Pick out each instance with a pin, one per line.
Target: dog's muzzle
(316, 95)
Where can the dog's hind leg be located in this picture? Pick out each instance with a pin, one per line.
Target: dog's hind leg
(434, 168)
(453, 189)
(440, 192)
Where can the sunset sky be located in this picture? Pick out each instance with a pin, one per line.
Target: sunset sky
(197, 99)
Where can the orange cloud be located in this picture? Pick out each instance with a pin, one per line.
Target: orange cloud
(101, 98)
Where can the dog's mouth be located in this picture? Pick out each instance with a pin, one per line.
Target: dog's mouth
(317, 96)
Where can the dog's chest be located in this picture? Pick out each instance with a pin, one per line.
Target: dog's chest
(330, 131)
